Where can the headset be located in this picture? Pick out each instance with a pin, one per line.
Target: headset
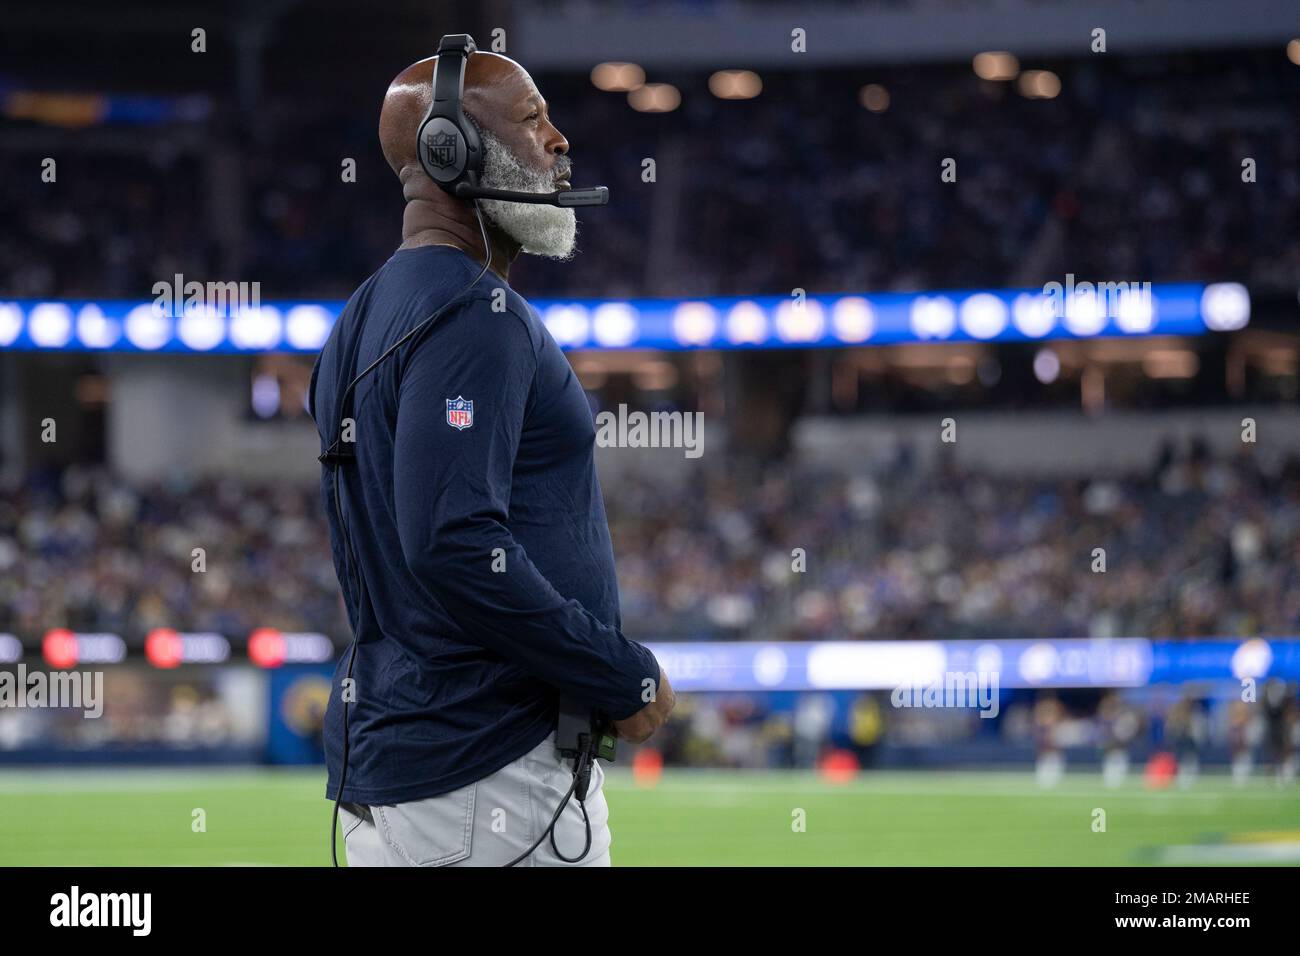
(449, 146)
(451, 153)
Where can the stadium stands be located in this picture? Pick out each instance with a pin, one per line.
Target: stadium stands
(1196, 547)
(1134, 171)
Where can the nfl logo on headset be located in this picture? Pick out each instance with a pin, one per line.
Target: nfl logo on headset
(460, 412)
(442, 150)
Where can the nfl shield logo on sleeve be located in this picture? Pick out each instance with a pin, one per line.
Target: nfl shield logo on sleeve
(460, 412)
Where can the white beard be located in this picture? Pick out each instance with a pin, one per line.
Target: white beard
(549, 231)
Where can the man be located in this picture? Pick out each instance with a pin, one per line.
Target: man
(480, 579)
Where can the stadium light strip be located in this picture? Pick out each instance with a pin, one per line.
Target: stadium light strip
(758, 322)
(886, 665)
(722, 666)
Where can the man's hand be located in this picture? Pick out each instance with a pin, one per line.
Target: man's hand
(638, 728)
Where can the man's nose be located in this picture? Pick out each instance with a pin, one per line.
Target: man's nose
(558, 144)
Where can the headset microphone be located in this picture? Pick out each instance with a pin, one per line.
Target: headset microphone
(590, 196)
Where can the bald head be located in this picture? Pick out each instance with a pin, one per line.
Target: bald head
(499, 95)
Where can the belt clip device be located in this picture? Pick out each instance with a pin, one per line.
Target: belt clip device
(584, 735)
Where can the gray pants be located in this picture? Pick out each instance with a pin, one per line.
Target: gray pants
(487, 823)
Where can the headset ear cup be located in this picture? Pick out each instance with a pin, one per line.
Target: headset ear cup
(473, 149)
(447, 142)
(443, 151)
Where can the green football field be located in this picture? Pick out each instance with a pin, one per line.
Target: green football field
(264, 817)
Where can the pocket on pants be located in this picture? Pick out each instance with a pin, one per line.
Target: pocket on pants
(436, 831)
(352, 816)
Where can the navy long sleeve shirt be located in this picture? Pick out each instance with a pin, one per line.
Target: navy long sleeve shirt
(486, 573)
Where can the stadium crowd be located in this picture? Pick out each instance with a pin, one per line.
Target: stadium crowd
(1135, 172)
(1196, 547)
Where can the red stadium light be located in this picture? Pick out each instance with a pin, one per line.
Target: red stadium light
(164, 648)
(266, 647)
(271, 647)
(59, 648)
(168, 648)
(63, 648)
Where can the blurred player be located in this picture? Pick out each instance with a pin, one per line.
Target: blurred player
(1185, 730)
(1243, 736)
(1282, 728)
(1119, 724)
(1049, 714)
